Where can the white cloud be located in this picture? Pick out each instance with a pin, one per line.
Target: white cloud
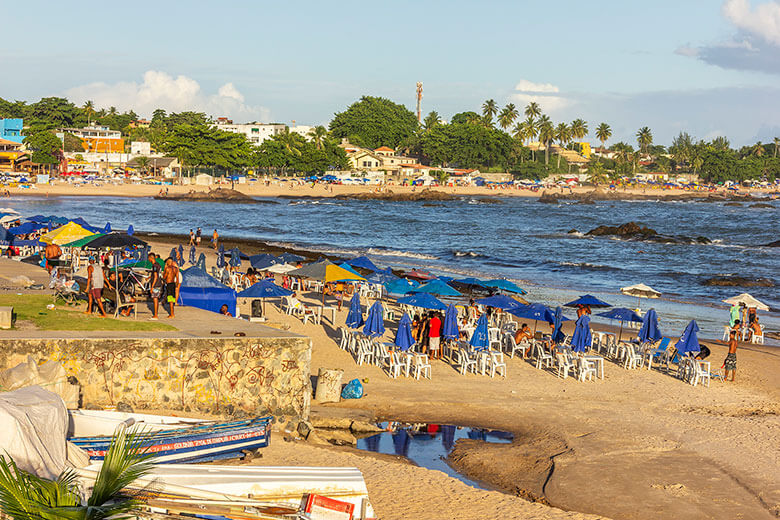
(161, 90)
(529, 86)
(763, 21)
(542, 93)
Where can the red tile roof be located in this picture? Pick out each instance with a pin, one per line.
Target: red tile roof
(384, 149)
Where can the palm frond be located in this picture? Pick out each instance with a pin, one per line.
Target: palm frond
(24, 496)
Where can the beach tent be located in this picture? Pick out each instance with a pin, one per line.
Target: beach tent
(437, 287)
(65, 234)
(325, 271)
(199, 289)
(264, 289)
(589, 300)
(748, 301)
(503, 285)
(363, 262)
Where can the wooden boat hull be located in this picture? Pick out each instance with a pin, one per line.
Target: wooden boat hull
(203, 442)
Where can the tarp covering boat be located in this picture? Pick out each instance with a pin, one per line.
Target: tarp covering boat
(199, 289)
(33, 423)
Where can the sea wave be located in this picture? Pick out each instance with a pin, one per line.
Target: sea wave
(588, 265)
(404, 254)
(470, 254)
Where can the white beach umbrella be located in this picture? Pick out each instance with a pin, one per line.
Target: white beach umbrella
(640, 290)
(279, 268)
(748, 300)
(8, 210)
(8, 218)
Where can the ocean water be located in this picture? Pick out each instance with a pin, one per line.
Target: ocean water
(517, 238)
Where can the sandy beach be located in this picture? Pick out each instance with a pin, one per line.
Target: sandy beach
(292, 189)
(638, 445)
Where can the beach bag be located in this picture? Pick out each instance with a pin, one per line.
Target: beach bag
(352, 390)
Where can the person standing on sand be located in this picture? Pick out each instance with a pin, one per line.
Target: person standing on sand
(192, 237)
(198, 234)
(155, 285)
(733, 314)
(214, 239)
(52, 252)
(434, 336)
(95, 287)
(171, 279)
(730, 364)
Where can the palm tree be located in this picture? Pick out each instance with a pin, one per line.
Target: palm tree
(532, 128)
(24, 496)
(89, 108)
(431, 120)
(579, 129)
(603, 133)
(563, 134)
(112, 111)
(758, 149)
(507, 116)
(318, 135)
(489, 110)
(546, 135)
(644, 137)
(142, 162)
(777, 141)
(532, 110)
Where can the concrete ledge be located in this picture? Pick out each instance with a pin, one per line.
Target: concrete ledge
(215, 375)
(6, 317)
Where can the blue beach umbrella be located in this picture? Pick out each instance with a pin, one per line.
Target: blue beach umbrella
(470, 281)
(375, 323)
(107, 229)
(621, 314)
(290, 258)
(650, 331)
(403, 336)
(263, 260)
(450, 326)
(534, 311)
(180, 256)
(221, 258)
(381, 278)
(264, 289)
(347, 267)
(192, 255)
(581, 340)
(437, 287)
(504, 285)
(557, 334)
(235, 257)
(355, 315)
(423, 300)
(130, 230)
(499, 301)
(589, 300)
(364, 263)
(479, 339)
(688, 342)
(401, 286)
(173, 253)
(201, 263)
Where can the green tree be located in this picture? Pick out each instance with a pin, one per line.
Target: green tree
(89, 109)
(531, 130)
(143, 163)
(24, 496)
(463, 118)
(776, 143)
(563, 135)
(318, 134)
(579, 129)
(644, 137)
(431, 120)
(597, 174)
(532, 110)
(603, 133)
(46, 147)
(681, 148)
(507, 116)
(546, 135)
(71, 143)
(489, 111)
(722, 143)
(374, 121)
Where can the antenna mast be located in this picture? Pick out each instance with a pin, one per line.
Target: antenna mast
(419, 101)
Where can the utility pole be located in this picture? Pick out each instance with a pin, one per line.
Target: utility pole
(419, 101)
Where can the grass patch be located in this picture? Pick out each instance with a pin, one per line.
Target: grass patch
(32, 307)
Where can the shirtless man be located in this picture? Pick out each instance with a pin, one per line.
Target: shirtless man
(730, 364)
(171, 279)
(155, 285)
(52, 253)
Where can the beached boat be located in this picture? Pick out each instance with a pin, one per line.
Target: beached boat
(171, 440)
(300, 488)
(95, 423)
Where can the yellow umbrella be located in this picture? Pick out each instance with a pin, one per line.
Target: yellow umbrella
(66, 234)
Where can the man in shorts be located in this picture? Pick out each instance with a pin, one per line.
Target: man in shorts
(730, 365)
(171, 279)
(198, 235)
(155, 285)
(434, 336)
(95, 281)
(52, 253)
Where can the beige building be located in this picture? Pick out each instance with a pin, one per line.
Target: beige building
(381, 159)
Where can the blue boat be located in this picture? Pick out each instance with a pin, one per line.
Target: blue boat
(201, 442)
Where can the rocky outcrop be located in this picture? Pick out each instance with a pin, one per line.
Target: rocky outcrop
(218, 195)
(599, 194)
(776, 243)
(738, 281)
(634, 231)
(761, 205)
(389, 195)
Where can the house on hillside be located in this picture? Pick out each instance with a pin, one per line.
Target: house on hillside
(382, 159)
(10, 154)
(11, 129)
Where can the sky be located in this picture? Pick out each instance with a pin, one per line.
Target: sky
(708, 67)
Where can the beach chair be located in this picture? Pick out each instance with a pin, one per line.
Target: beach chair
(726, 332)
(651, 354)
(344, 344)
(364, 353)
(464, 361)
(395, 366)
(542, 357)
(381, 355)
(701, 372)
(758, 338)
(630, 357)
(563, 365)
(496, 363)
(421, 366)
(585, 369)
(512, 347)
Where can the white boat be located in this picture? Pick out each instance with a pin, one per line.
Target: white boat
(96, 423)
(243, 485)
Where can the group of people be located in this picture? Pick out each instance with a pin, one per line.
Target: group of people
(742, 317)
(426, 331)
(196, 236)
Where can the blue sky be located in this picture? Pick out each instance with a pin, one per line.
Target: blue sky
(709, 67)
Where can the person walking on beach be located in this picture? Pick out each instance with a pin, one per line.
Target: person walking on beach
(155, 285)
(434, 336)
(192, 237)
(198, 234)
(730, 365)
(171, 279)
(215, 239)
(95, 280)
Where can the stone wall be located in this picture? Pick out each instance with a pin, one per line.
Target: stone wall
(253, 375)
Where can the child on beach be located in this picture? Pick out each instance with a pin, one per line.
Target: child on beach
(730, 365)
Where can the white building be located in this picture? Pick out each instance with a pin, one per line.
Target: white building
(255, 133)
(140, 148)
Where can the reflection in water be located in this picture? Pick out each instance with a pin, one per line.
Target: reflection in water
(420, 443)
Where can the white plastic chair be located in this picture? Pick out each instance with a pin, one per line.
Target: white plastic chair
(512, 347)
(631, 358)
(587, 369)
(381, 355)
(466, 362)
(726, 332)
(757, 338)
(421, 366)
(497, 363)
(395, 366)
(563, 365)
(365, 353)
(542, 357)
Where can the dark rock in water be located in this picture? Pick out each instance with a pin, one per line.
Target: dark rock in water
(703, 240)
(761, 205)
(586, 201)
(738, 281)
(733, 204)
(389, 195)
(489, 200)
(218, 195)
(776, 243)
(630, 229)
(549, 198)
(572, 231)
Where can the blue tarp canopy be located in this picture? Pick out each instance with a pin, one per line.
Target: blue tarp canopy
(437, 287)
(347, 267)
(363, 262)
(26, 228)
(264, 289)
(589, 300)
(504, 285)
(290, 258)
(401, 286)
(424, 300)
(263, 260)
(535, 311)
(83, 223)
(201, 290)
(499, 301)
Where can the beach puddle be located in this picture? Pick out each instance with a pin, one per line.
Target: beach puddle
(428, 445)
